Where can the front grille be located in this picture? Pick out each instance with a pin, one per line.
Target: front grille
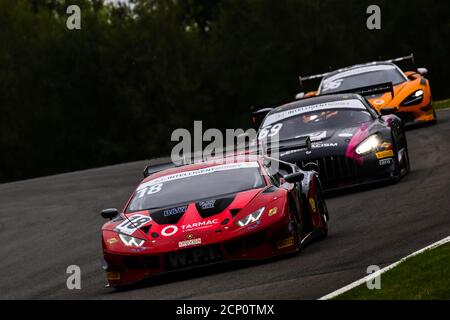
(236, 247)
(194, 257)
(334, 171)
(255, 240)
(142, 262)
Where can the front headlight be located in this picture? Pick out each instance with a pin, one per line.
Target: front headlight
(368, 145)
(412, 99)
(251, 218)
(131, 241)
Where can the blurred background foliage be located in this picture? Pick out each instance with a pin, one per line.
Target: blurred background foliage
(113, 91)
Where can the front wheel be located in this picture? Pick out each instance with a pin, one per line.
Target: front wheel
(323, 212)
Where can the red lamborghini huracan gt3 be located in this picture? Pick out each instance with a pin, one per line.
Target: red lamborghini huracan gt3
(206, 213)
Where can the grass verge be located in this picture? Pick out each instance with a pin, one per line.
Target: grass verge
(423, 277)
(443, 104)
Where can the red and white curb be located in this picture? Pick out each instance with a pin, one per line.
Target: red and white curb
(380, 272)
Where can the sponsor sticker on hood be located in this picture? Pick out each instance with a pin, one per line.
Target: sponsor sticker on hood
(171, 230)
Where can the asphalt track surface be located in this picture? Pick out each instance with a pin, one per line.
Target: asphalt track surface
(49, 223)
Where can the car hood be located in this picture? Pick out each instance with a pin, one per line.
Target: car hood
(330, 142)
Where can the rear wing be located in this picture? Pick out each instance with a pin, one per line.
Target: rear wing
(259, 113)
(320, 76)
(410, 57)
(370, 90)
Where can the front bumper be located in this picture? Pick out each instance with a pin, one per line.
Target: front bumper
(417, 115)
(276, 239)
(341, 172)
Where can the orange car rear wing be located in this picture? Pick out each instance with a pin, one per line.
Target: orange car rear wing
(322, 75)
(410, 57)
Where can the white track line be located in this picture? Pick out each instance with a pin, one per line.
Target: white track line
(378, 273)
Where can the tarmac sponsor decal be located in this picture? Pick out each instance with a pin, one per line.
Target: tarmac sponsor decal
(385, 154)
(169, 231)
(199, 225)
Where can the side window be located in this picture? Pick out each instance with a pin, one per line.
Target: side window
(275, 177)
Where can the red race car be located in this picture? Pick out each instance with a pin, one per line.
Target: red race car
(207, 213)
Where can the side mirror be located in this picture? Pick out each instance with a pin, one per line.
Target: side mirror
(388, 111)
(294, 177)
(109, 213)
(422, 71)
(299, 96)
(146, 172)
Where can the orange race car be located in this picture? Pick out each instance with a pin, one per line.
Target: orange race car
(385, 85)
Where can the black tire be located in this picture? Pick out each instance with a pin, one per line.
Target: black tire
(406, 165)
(323, 212)
(435, 117)
(401, 169)
(298, 227)
(397, 169)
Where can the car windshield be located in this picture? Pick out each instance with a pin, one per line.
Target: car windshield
(341, 82)
(315, 120)
(192, 186)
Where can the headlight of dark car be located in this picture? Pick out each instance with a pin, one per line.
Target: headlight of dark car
(413, 99)
(368, 145)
